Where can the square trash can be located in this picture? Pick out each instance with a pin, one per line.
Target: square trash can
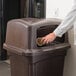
(29, 59)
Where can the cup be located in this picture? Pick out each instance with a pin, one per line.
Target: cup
(39, 42)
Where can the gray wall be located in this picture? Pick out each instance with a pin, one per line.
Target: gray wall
(70, 59)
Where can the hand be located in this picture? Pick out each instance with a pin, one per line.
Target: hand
(48, 38)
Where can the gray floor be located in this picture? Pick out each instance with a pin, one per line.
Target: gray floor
(4, 69)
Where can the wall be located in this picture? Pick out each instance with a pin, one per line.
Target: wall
(70, 59)
(58, 8)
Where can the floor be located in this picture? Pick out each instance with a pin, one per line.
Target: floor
(5, 68)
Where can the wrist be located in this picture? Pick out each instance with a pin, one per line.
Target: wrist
(54, 35)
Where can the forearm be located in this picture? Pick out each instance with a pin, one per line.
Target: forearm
(67, 23)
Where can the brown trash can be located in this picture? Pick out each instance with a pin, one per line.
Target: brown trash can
(29, 59)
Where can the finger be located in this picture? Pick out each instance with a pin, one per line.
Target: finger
(45, 40)
(48, 41)
(42, 40)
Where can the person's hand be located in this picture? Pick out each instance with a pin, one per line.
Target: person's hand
(48, 38)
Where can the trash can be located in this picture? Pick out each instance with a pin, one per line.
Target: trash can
(29, 59)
